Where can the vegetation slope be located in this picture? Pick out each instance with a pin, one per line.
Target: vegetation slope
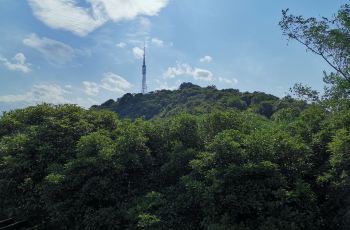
(196, 100)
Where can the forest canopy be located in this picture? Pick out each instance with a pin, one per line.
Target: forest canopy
(196, 100)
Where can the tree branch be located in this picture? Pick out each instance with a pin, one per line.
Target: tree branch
(324, 57)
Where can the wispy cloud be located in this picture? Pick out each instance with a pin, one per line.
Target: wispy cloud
(91, 88)
(51, 93)
(48, 93)
(206, 59)
(144, 24)
(115, 83)
(186, 69)
(110, 82)
(19, 63)
(121, 45)
(232, 81)
(69, 15)
(139, 31)
(157, 42)
(55, 52)
(138, 52)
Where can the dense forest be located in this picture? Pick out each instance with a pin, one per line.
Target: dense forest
(193, 158)
(196, 100)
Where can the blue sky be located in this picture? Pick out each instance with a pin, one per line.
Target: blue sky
(88, 51)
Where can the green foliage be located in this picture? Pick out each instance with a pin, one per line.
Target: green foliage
(147, 221)
(191, 99)
(95, 143)
(305, 93)
(63, 167)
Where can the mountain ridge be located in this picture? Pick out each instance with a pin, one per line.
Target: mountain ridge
(193, 99)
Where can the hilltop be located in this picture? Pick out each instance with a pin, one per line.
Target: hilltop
(196, 100)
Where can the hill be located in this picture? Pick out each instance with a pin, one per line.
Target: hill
(196, 100)
(65, 167)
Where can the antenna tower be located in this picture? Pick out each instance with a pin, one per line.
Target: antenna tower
(144, 80)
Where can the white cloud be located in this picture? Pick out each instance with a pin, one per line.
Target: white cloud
(232, 81)
(121, 45)
(39, 93)
(18, 64)
(157, 42)
(186, 69)
(115, 83)
(53, 51)
(138, 52)
(206, 59)
(110, 82)
(68, 15)
(91, 88)
(202, 74)
(49, 93)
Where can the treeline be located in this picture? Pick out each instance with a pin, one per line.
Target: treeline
(63, 167)
(196, 100)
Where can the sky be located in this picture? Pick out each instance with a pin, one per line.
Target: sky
(88, 51)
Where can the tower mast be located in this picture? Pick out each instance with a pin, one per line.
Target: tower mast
(144, 80)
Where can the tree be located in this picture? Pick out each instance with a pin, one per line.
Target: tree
(328, 38)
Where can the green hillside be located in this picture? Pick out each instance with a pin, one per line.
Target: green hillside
(64, 167)
(197, 100)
